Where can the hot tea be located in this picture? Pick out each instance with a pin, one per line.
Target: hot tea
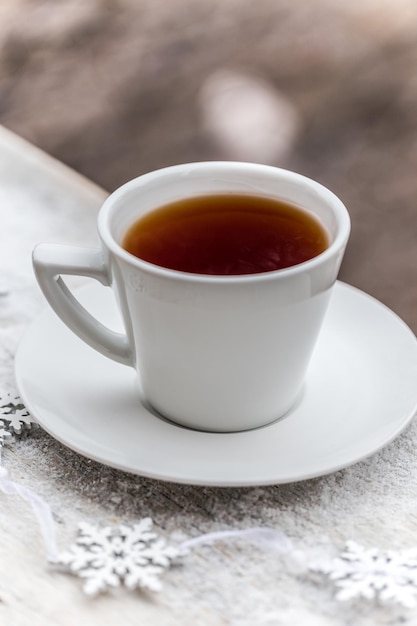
(226, 234)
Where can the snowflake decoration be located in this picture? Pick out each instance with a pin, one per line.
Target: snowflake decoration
(4, 433)
(374, 575)
(108, 557)
(15, 417)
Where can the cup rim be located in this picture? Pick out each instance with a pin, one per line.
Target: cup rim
(110, 205)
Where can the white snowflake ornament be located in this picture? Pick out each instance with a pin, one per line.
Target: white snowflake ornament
(4, 433)
(374, 575)
(108, 557)
(14, 415)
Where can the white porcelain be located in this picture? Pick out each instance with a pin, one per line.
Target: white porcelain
(223, 353)
(360, 393)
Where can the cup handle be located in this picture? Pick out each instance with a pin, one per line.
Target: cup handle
(52, 260)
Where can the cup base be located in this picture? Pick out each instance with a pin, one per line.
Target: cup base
(183, 424)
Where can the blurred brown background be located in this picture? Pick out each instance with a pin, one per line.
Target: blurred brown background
(115, 88)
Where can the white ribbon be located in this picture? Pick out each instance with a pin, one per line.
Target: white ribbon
(279, 539)
(276, 539)
(40, 508)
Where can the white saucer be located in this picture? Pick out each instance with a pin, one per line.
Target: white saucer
(360, 393)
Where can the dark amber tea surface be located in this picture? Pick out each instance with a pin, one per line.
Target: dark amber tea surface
(226, 235)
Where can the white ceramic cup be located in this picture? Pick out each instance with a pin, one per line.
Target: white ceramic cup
(215, 353)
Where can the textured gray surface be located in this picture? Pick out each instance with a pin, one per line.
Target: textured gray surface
(236, 583)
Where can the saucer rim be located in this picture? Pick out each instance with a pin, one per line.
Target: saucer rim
(400, 422)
